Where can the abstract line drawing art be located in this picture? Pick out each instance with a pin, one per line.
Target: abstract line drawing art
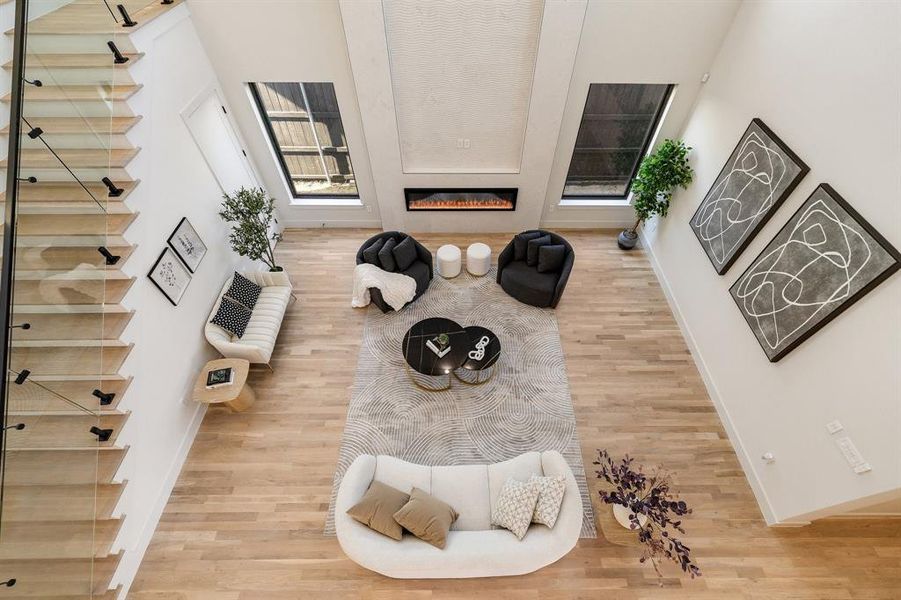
(821, 262)
(760, 174)
(186, 243)
(170, 276)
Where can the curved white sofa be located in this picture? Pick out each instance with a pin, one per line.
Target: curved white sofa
(473, 548)
(259, 338)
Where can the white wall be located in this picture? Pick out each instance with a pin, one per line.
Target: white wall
(344, 41)
(365, 32)
(273, 40)
(169, 344)
(825, 77)
(624, 41)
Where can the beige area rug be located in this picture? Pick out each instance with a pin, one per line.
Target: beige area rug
(525, 406)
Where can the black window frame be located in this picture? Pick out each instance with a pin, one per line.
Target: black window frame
(645, 147)
(273, 143)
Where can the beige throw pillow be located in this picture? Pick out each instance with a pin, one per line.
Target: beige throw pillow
(550, 498)
(377, 507)
(426, 517)
(515, 506)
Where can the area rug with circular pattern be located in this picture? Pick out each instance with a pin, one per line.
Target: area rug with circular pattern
(525, 406)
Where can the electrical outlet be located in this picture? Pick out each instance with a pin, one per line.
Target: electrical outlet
(466, 143)
(459, 143)
(834, 427)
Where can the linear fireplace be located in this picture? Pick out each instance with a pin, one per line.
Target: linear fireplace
(460, 198)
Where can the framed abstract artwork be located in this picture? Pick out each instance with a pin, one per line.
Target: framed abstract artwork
(826, 258)
(187, 244)
(760, 174)
(170, 276)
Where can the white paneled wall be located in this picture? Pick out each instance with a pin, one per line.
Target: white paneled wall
(461, 72)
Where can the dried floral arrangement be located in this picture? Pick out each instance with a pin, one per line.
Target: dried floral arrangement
(650, 495)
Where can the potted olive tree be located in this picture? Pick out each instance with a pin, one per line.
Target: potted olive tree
(658, 176)
(251, 213)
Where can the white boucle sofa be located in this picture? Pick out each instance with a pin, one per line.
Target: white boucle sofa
(258, 340)
(473, 548)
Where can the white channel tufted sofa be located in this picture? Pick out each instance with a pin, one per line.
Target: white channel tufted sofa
(473, 548)
(259, 339)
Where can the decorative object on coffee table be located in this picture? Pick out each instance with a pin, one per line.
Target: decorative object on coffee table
(660, 173)
(483, 352)
(423, 360)
(478, 259)
(759, 175)
(237, 395)
(449, 261)
(416, 262)
(821, 262)
(650, 508)
(530, 283)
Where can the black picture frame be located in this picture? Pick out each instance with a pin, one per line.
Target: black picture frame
(184, 225)
(722, 268)
(848, 302)
(153, 274)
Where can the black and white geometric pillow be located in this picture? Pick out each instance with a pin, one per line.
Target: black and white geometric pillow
(232, 316)
(244, 291)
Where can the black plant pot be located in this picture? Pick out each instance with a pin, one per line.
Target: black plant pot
(627, 239)
(276, 269)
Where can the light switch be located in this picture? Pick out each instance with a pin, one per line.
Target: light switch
(466, 142)
(852, 455)
(834, 427)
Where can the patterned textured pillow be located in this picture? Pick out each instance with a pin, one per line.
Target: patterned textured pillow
(232, 316)
(244, 291)
(550, 498)
(515, 506)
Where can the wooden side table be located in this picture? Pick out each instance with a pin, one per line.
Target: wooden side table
(238, 396)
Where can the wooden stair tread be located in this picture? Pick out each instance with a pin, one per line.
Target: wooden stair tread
(70, 344)
(70, 309)
(68, 413)
(60, 502)
(92, 274)
(72, 208)
(81, 125)
(88, 19)
(69, 191)
(71, 241)
(78, 93)
(81, 377)
(77, 61)
(58, 539)
(63, 579)
(75, 158)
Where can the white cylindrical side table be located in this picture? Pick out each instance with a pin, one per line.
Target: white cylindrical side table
(478, 259)
(449, 261)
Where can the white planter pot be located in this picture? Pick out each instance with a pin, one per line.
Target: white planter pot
(621, 514)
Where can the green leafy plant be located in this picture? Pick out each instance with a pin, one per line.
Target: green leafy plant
(658, 176)
(251, 213)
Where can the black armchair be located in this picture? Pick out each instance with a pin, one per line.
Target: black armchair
(525, 283)
(420, 270)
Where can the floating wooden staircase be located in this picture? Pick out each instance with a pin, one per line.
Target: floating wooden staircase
(59, 520)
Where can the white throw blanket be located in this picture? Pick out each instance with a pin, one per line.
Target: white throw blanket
(397, 289)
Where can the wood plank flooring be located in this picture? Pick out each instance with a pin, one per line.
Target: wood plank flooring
(245, 519)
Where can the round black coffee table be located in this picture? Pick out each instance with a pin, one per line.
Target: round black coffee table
(423, 360)
(483, 351)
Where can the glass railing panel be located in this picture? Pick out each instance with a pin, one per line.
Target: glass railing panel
(59, 493)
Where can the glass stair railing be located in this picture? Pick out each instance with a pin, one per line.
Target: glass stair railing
(61, 290)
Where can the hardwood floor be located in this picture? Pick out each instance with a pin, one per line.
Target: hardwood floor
(245, 519)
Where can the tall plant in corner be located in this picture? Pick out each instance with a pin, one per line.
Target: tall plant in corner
(660, 173)
(251, 214)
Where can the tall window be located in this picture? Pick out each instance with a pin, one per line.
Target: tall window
(306, 132)
(617, 126)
